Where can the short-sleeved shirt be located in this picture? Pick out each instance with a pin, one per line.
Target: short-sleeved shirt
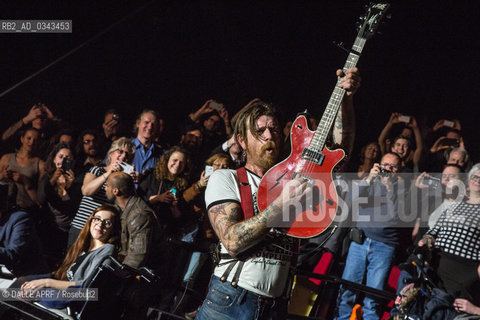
(265, 272)
(89, 203)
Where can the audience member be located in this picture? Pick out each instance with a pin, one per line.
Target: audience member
(214, 122)
(232, 149)
(437, 198)
(141, 233)
(459, 157)
(192, 141)
(87, 152)
(147, 152)
(93, 188)
(402, 145)
(371, 256)
(41, 118)
(449, 139)
(162, 138)
(97, 241)
(369, 155)
(23, 170)
(163, 189)
(112, 125)
(20, 250)
(59, 206)
(65, 135)
(457, 236)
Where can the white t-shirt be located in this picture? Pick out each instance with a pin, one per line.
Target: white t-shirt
(266, 271)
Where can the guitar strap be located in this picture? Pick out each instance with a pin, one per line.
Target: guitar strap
(245, 193)
(246, 203)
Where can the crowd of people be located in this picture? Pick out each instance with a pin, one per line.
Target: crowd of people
(78, 195)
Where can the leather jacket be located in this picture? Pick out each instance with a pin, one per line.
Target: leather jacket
(141, 234)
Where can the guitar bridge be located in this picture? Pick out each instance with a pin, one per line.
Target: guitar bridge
(313, 156)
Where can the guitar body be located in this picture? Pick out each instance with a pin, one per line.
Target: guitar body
(316, 217)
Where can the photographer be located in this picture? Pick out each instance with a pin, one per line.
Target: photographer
(371, 255)
(402, 144)
(112, 125)
(42, 119)
(55, 195)
(435, 195)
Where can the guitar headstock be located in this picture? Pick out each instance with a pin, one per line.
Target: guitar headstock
(372, 17)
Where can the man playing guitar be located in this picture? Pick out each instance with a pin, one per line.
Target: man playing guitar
(251, 277)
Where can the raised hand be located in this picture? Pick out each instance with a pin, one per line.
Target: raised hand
(34, 113)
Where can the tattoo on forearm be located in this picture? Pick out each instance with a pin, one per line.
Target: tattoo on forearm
(339, 122)
(235, 234)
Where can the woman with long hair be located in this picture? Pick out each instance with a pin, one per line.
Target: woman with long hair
(23, 170)
(97, 240)
(163, 189)
(93, 188)
(55, 195)
(369, 155)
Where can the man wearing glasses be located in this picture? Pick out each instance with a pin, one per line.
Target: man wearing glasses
(371, 253)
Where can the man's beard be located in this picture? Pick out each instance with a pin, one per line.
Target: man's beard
(92, 152)
(266, 160)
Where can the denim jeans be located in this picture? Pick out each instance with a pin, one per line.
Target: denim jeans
(224, 302)
(197, 259)
(373, 259)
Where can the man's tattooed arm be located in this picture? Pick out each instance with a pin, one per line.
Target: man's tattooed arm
(236, 234)
(344, 126)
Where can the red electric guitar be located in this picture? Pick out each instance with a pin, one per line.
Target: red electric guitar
(311, 159)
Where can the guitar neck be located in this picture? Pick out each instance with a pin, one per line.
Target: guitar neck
(321, 134)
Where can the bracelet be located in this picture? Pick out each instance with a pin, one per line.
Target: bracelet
(103, 175)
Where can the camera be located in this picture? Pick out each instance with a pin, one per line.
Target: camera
(432, 182)
(384, 172)
(116, 116)
(68, 164)
(208, 170)
(405, 119)
(450, 142)
(127, 168)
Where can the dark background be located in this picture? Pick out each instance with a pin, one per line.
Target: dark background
(173, 55)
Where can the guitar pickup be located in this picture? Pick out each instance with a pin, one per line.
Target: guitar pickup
(313, 156)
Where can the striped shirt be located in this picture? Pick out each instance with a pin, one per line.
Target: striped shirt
(90, 203)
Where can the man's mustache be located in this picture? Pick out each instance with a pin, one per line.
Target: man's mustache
(269, 145)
